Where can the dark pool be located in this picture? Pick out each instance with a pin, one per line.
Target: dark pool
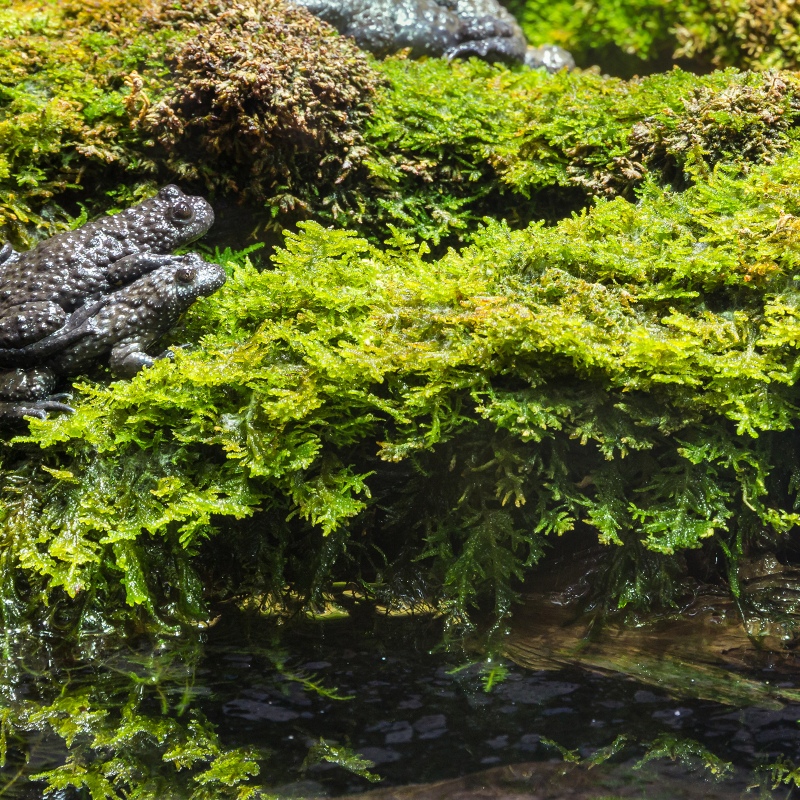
(421, 714)
(416, 711)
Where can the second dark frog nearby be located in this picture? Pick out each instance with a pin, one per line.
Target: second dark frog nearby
(124, 324)
(449, 28)
(41, 287)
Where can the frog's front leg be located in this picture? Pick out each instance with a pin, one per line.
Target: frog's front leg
(28, 322)
(128, 357)
(130, 268)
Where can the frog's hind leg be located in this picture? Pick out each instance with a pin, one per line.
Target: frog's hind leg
(26, 393)
(77, 326)
(27, 322)
(131, 267)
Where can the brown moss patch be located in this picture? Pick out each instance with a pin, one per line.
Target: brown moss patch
(257, 97)
(263, 96)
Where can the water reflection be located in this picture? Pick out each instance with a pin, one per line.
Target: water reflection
(195, 716)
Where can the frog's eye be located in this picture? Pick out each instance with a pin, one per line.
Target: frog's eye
(181, 212)
(185, 274)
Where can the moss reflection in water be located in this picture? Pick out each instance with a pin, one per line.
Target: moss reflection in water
(119, 724)
(134, 723)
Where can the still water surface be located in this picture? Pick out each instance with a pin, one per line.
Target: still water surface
(422, 714)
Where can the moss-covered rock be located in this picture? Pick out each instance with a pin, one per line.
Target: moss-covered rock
(631, 369)
(256, 98)
(101, 101)
(450, 143)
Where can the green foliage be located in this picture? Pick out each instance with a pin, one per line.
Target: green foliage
(492, 673)
(600, 756)
(631, 369)
(689, 752)
(342, 756)
(745, 33)
(783, 771)
(452, 142)
(261, 99)
(123, 723)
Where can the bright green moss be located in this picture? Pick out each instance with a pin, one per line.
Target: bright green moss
(744, 33)
(631, 369)
(451, 142)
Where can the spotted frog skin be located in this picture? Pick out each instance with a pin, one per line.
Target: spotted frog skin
(449, 28)
(123, 325)
(41, 287)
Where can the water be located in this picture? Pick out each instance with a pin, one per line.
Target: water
(420, 714)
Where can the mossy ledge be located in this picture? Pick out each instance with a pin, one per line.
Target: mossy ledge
(370, 412)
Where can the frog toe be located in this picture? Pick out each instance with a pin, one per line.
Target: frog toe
(10, 412)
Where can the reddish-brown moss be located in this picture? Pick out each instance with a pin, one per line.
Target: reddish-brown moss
(255, 96)
(268, 94)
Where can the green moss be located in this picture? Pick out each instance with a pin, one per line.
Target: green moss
(631, 369)
(259, 99)
(745, 33)
(453, 142)
(99, 102)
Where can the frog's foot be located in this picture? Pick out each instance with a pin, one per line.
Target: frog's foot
(35, 408)
(8, 254)
(495, 48)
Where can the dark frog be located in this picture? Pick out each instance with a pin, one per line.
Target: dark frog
(39, 288)
(124, 325)
(449, 28)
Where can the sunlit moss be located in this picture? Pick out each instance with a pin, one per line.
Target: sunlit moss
(100, 101)
(743, 33)
(260, 98)
(631, 369)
